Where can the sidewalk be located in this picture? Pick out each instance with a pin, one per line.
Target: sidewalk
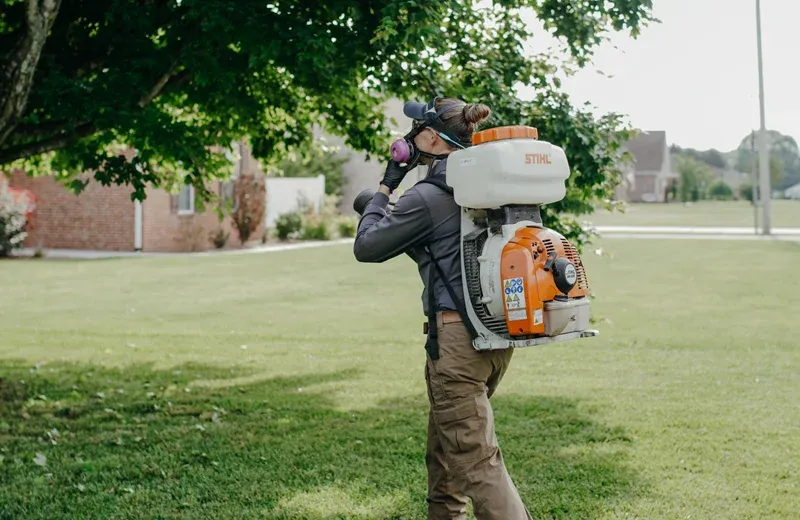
(694, 230)
(696, 233)
(76, 254)
(613, 232)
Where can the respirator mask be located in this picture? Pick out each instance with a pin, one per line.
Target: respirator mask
(405, 151)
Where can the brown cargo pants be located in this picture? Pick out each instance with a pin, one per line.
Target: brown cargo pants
(463, 458)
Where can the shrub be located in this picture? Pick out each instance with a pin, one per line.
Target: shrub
(220, 238)
(348, 227)
(746, 191)
(288, 225)
(719, 190)
(16, 210)
(251, 202)
(315, 227)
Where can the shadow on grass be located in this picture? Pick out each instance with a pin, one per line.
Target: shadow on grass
(85, 442)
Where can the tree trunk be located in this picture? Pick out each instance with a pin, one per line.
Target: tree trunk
(18, 67)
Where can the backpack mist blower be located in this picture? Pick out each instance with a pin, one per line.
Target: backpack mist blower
(525, 285)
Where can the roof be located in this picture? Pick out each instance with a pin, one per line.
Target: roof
(648, 149)
(793, 189)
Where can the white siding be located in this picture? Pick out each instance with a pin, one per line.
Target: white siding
(286, 194)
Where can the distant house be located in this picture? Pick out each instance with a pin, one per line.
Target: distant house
(105, 218)
(793, 192)
(652, 169)
(627, 183)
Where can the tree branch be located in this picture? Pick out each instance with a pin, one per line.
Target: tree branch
(179, 79)
(19, 67)
(51, 134)
(26, 132)
(56, 142)
(156, 90)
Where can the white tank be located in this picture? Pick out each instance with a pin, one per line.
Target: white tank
(508, 166)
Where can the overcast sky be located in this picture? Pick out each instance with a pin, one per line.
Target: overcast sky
(695, 75)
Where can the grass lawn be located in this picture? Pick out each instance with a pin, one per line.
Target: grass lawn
(785, 213)
(290, 386)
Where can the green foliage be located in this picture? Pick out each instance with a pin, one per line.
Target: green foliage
(320, 225)
(315, 227)
(312, 160)
(180, 81)
(719, 190)
(746, 191)
(694, 179)
(784, 162)
(348, 226)
(713, 158)
(288, 225)
(593, 148)
(776, 170)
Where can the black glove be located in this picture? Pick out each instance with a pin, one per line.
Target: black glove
(394, 175)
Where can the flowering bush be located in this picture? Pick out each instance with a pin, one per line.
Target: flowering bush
(16, 209)
(251, 200)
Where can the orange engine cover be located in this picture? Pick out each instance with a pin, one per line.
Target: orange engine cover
(527, 285)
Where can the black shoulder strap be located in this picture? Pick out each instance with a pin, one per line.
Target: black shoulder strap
(462, 308)
(439, 181)
(432, 345)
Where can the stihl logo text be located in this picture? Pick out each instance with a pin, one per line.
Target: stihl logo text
(537, 158)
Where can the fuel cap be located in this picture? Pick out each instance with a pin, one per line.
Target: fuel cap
(564, 274)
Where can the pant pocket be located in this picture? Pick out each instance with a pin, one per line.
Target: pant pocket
(466, 428)
(433, 381)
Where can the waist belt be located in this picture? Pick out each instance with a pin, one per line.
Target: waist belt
(446, 317)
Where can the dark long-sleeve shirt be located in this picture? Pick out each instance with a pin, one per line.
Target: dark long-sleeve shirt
(425, 215)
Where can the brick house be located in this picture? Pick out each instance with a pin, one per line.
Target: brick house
(105, 218)
(652, 174)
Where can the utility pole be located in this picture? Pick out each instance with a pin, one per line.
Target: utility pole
(763, 153)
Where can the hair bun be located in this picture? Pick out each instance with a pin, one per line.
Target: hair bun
(475, 113)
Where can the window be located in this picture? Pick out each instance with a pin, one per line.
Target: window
(186, 200)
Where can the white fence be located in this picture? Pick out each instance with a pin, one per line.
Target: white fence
(288, 194)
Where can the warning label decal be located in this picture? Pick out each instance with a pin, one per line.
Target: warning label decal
(518, 315)
(514, 293)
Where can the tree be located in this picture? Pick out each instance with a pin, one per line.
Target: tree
(775, 170)
(746, 191)
(784, 158)
(694, 176)
(711, 157)
(719, 190)
(178, 81)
